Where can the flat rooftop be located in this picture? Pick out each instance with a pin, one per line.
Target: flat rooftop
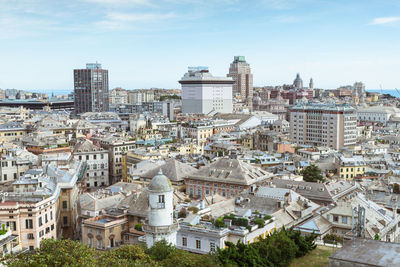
(369, 252)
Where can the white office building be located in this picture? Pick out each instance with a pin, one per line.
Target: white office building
(204, 93)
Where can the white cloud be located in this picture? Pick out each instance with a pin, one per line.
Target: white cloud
(385, 20)
(122, 21)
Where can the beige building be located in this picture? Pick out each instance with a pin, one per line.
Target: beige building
(118, 96)
(104, 232)
(331, 126)
(140, 96)
(241, 73)
(42, 204)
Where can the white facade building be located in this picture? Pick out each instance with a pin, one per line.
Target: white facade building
(161, 224)
(377, 114)
(203, 93)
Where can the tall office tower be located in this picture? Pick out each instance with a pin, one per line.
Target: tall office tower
(326, 125)
(241, 73)
(204, 93)
(91, 89)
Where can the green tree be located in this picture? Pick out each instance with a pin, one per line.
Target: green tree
(54, 252)
(182, 258)
(312, 174)
(128, 255)
(377, 237)
(138, 227)
(160, 250)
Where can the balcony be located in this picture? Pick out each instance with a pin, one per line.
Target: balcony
(161, 229)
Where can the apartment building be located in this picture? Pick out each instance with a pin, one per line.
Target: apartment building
(96, 159)
(42, 204)
(12, 131)
(327, 125)
(14, 162)
(349, 168)
(116, 146)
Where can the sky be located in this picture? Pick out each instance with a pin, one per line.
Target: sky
(150, 43)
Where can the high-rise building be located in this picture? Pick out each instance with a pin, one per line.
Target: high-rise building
(91, 89)
(203, 93)
(241, 73)
(326, 125)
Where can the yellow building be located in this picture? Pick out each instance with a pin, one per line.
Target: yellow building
(349, 168)
(248, 142)
(11, 131)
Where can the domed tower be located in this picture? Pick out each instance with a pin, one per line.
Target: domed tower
(160, 222)
(298, 82)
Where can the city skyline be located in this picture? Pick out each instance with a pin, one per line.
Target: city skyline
(138, 40)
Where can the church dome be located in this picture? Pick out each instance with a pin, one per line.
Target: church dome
(298, 82)
(160, 183)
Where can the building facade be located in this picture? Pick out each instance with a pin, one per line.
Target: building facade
(203, 93)
(91, 89)
(96, 160)
(240, 72)
(329, 125)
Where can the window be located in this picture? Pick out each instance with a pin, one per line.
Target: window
(198, 244)
(28, 224)
(64, 204)
(90, 241)
(184, 241)
(161, 199)
(344, 219)
(65, 220)
(30, 236)
(31, 248)
(98, 243)
(45, 218)
(335, 218)
(212, 246)
(40, 221)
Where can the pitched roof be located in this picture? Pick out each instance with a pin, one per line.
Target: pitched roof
(230, 171)
(175, 170)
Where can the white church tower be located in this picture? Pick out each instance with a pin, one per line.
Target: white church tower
(161, 223)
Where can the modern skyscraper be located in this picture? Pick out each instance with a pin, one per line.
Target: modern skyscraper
(91, 89)
(203, 93)
(326, 125)
(241, 73)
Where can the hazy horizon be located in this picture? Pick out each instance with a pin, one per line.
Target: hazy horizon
(148, 43)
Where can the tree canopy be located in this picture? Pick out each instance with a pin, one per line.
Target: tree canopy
(312, 174)
(278, 249)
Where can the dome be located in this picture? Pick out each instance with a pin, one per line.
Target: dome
(160, 183)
